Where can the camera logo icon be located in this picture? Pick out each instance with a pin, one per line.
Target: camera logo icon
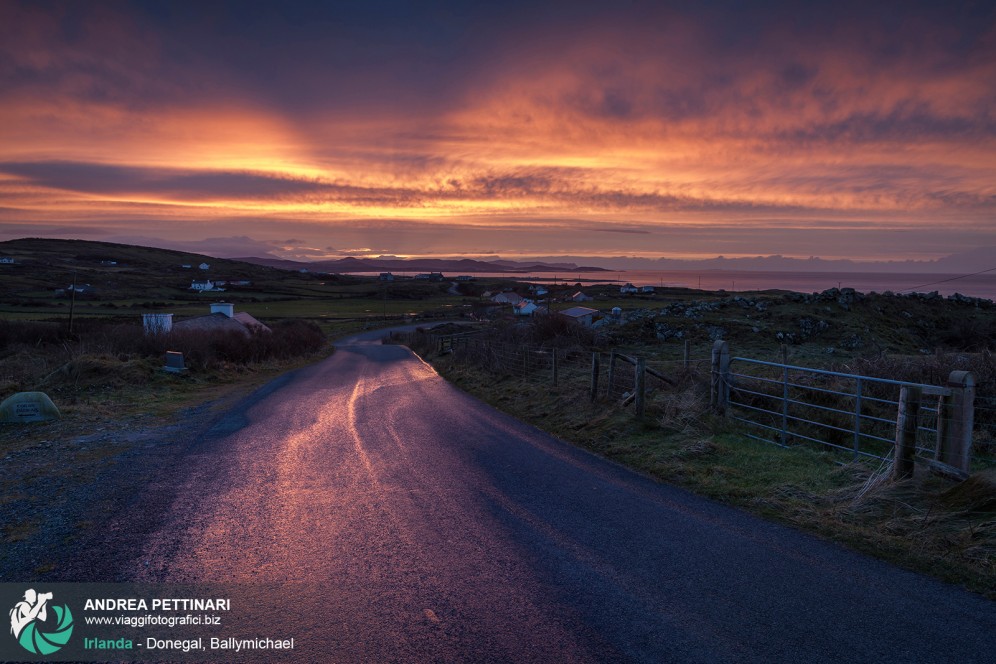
(30, 624)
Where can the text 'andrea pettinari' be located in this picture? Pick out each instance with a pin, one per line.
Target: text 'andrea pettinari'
(157, 604)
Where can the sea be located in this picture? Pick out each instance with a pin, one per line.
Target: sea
(980, 285)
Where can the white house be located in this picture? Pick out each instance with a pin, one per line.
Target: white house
(628, 288)
(222, 318)
(79, 288)
(581, 297)
(386, 276)
(204, 286)
(580, 315)
(204, 266)
(525, 308)
(647, 289)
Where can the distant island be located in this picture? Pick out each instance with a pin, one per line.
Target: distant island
(449, 265)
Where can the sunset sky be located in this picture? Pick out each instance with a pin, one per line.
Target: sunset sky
(861, 130)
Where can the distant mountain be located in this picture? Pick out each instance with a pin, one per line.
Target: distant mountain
(446, 265)
(974, 260)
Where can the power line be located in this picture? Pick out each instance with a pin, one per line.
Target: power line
(944, 281)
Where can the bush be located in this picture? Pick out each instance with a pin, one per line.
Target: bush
(203, 350)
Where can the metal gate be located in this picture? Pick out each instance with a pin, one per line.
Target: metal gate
(785, 405)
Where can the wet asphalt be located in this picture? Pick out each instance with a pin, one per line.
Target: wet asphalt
(420, 525)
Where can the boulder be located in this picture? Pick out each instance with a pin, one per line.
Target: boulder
(28, 407)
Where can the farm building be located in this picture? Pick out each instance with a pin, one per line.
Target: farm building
(507, 298)
(581, 297)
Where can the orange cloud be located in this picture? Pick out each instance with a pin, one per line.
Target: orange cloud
(660, 124)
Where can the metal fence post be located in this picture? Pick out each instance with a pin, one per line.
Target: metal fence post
(641, 383)
(720, 376)
(906, 422)
(955, 437)
(594, 376)
(857, 419)
(785, 403)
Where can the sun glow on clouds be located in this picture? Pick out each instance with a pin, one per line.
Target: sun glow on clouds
(664, 129)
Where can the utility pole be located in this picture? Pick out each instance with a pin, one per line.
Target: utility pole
(72, 304)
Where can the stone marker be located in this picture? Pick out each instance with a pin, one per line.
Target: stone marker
(174, 362)
(28, 407)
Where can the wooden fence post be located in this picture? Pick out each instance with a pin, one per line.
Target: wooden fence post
(641, 383)
(687, 353)
(555, 368)
(719, 394)
(955, 421)
(594, 376)
(906, 422)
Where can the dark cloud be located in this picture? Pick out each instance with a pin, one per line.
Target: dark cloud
(115, 179)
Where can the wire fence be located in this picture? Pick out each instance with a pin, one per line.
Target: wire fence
(777, 403)
(607, 379)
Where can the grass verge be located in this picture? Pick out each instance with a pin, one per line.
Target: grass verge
(927, 524)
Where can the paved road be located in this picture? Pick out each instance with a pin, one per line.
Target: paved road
(429, 527)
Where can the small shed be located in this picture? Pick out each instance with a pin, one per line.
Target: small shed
(580, 315)
(581, 297)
